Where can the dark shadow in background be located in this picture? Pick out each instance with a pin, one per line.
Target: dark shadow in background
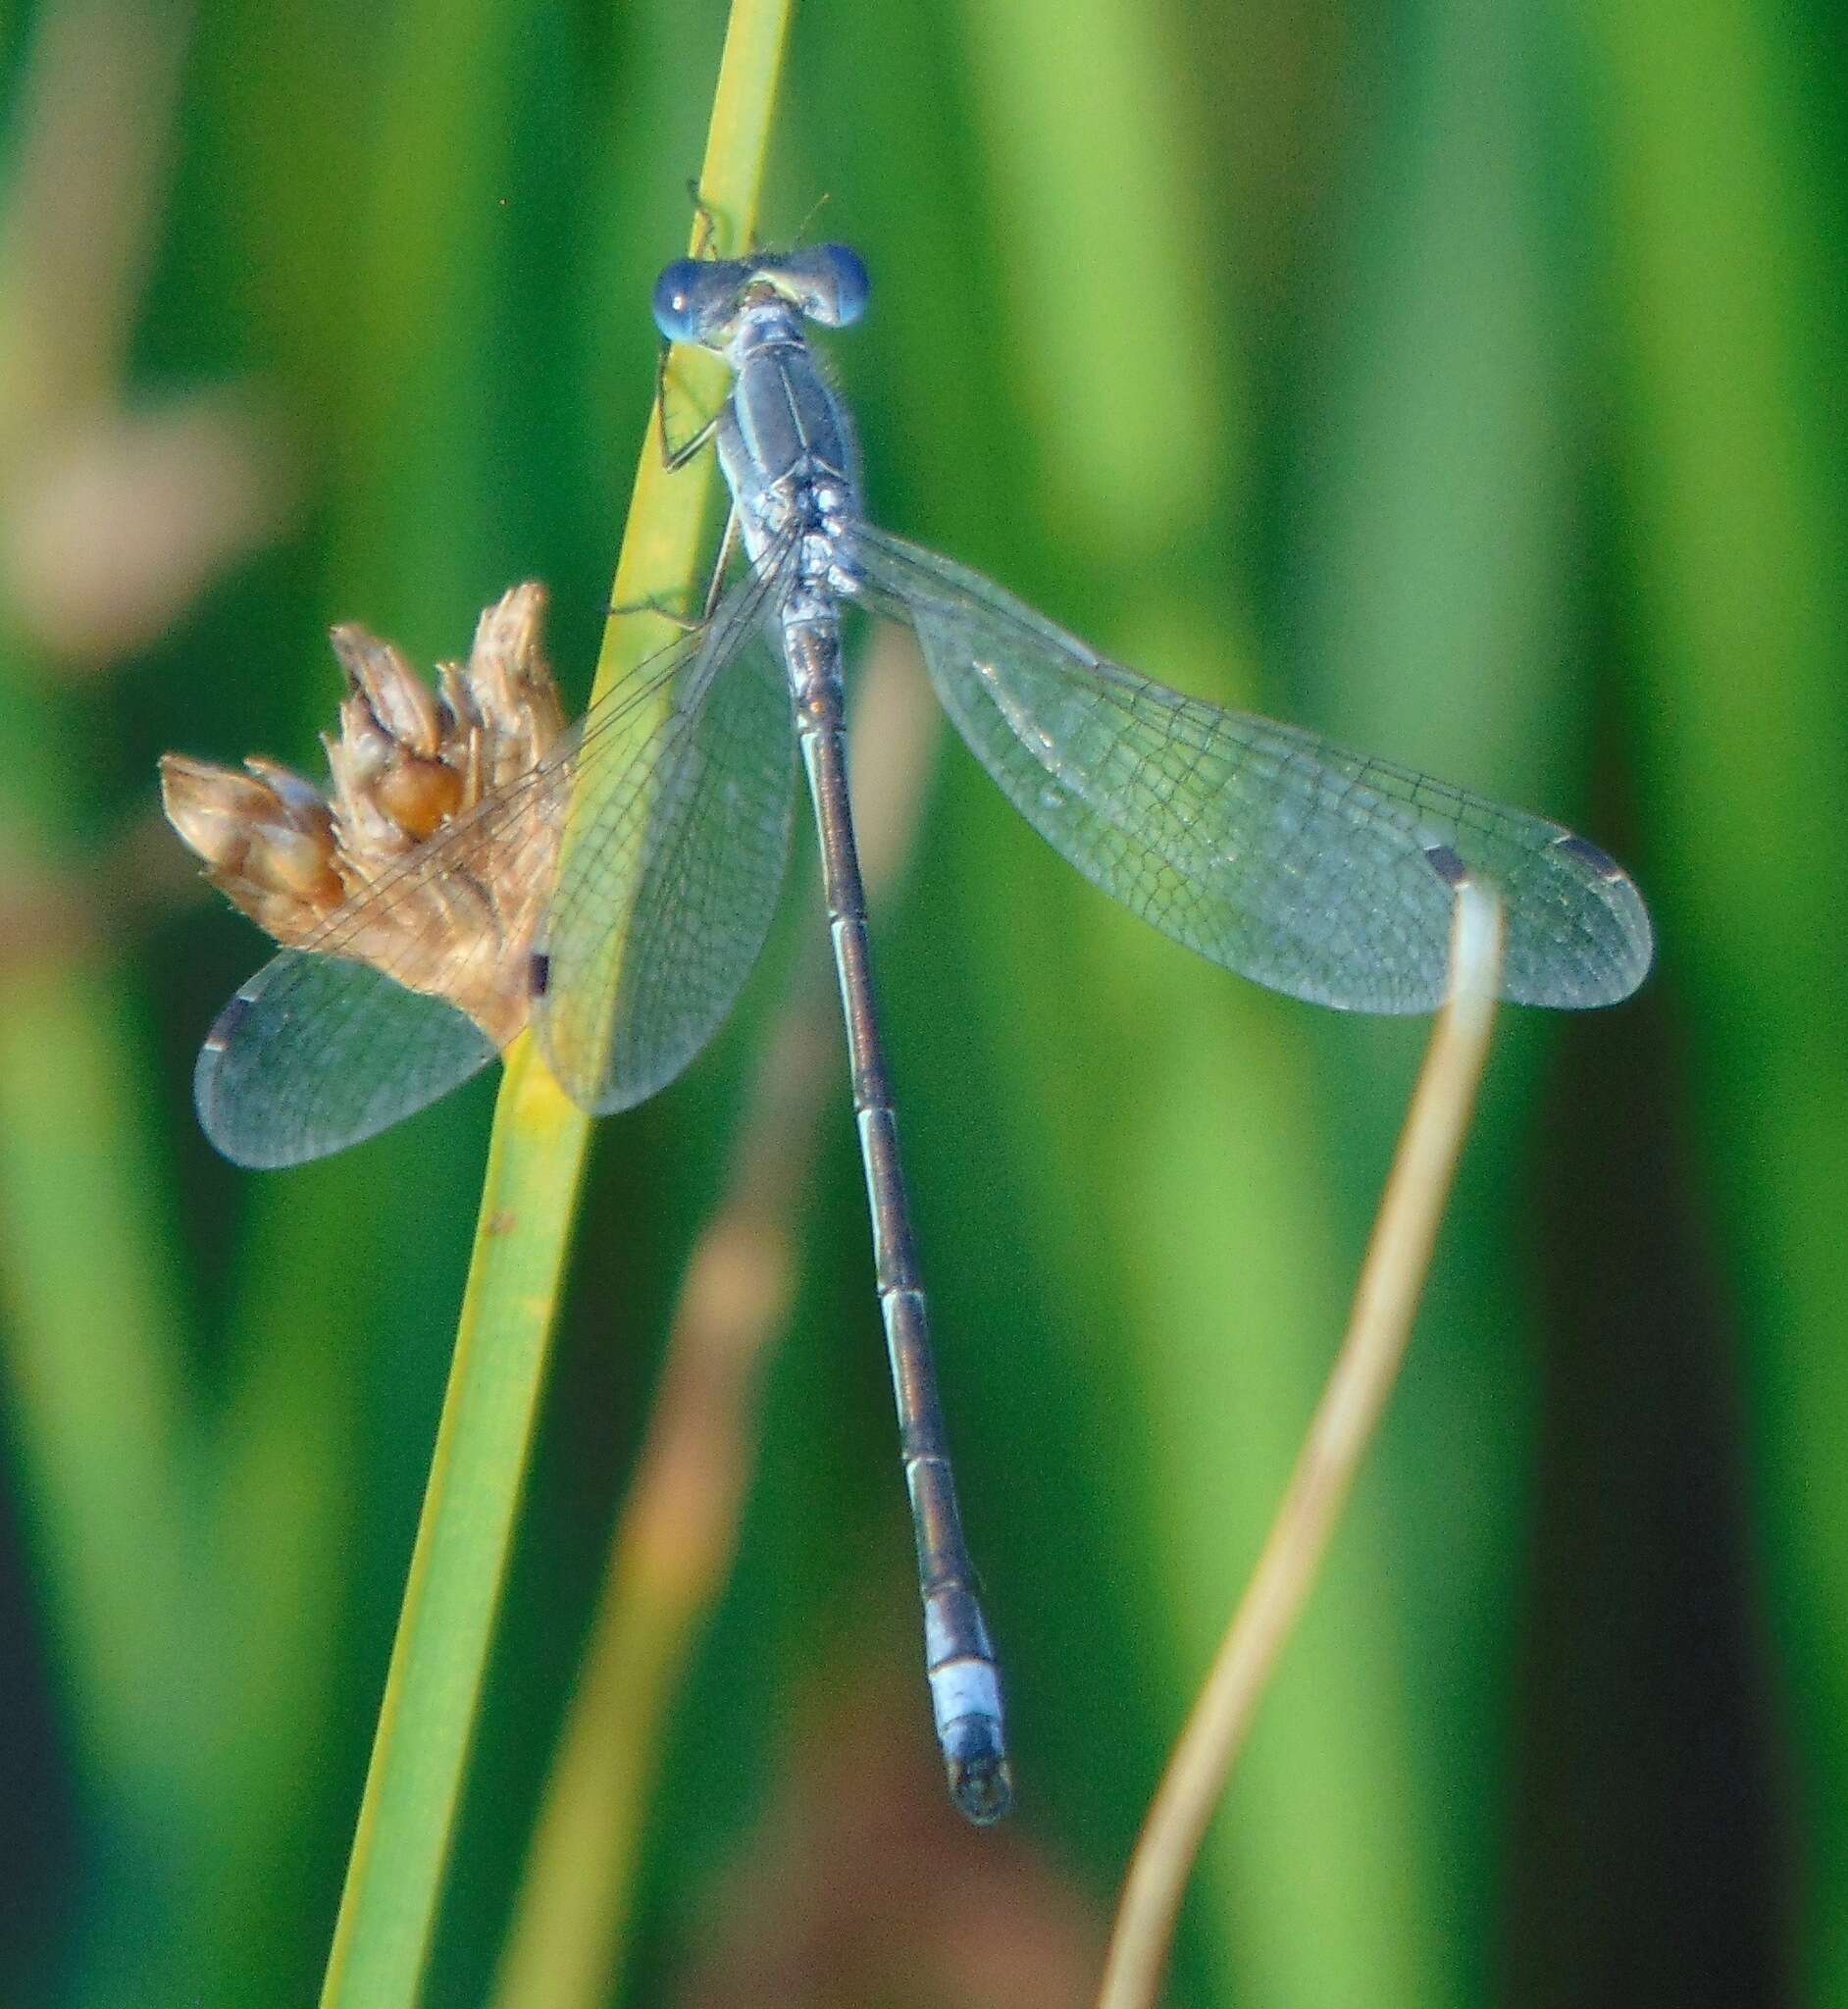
(1651, 1852)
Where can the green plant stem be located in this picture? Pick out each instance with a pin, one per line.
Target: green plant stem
(1392, 1279)
(432, 1690)
(438, 1661)
(671, 1554)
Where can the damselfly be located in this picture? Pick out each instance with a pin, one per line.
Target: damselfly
(1321, 873)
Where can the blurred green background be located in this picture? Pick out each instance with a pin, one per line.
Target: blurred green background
(1463, 379)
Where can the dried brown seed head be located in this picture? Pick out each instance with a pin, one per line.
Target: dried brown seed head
(408, 768)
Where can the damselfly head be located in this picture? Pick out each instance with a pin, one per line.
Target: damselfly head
(699, 300)
(408, 766)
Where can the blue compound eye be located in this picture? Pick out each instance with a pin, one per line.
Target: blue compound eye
(832, 283)
(851, 288)
(682, 297)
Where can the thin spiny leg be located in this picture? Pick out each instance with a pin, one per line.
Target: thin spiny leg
(705, 219)
(672, 457)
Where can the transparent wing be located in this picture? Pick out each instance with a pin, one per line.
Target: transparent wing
(317, 1053)
(671, 874)
(1318, 872)
(322, 1048)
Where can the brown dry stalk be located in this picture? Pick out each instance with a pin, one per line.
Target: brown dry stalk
(1392, 1278)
